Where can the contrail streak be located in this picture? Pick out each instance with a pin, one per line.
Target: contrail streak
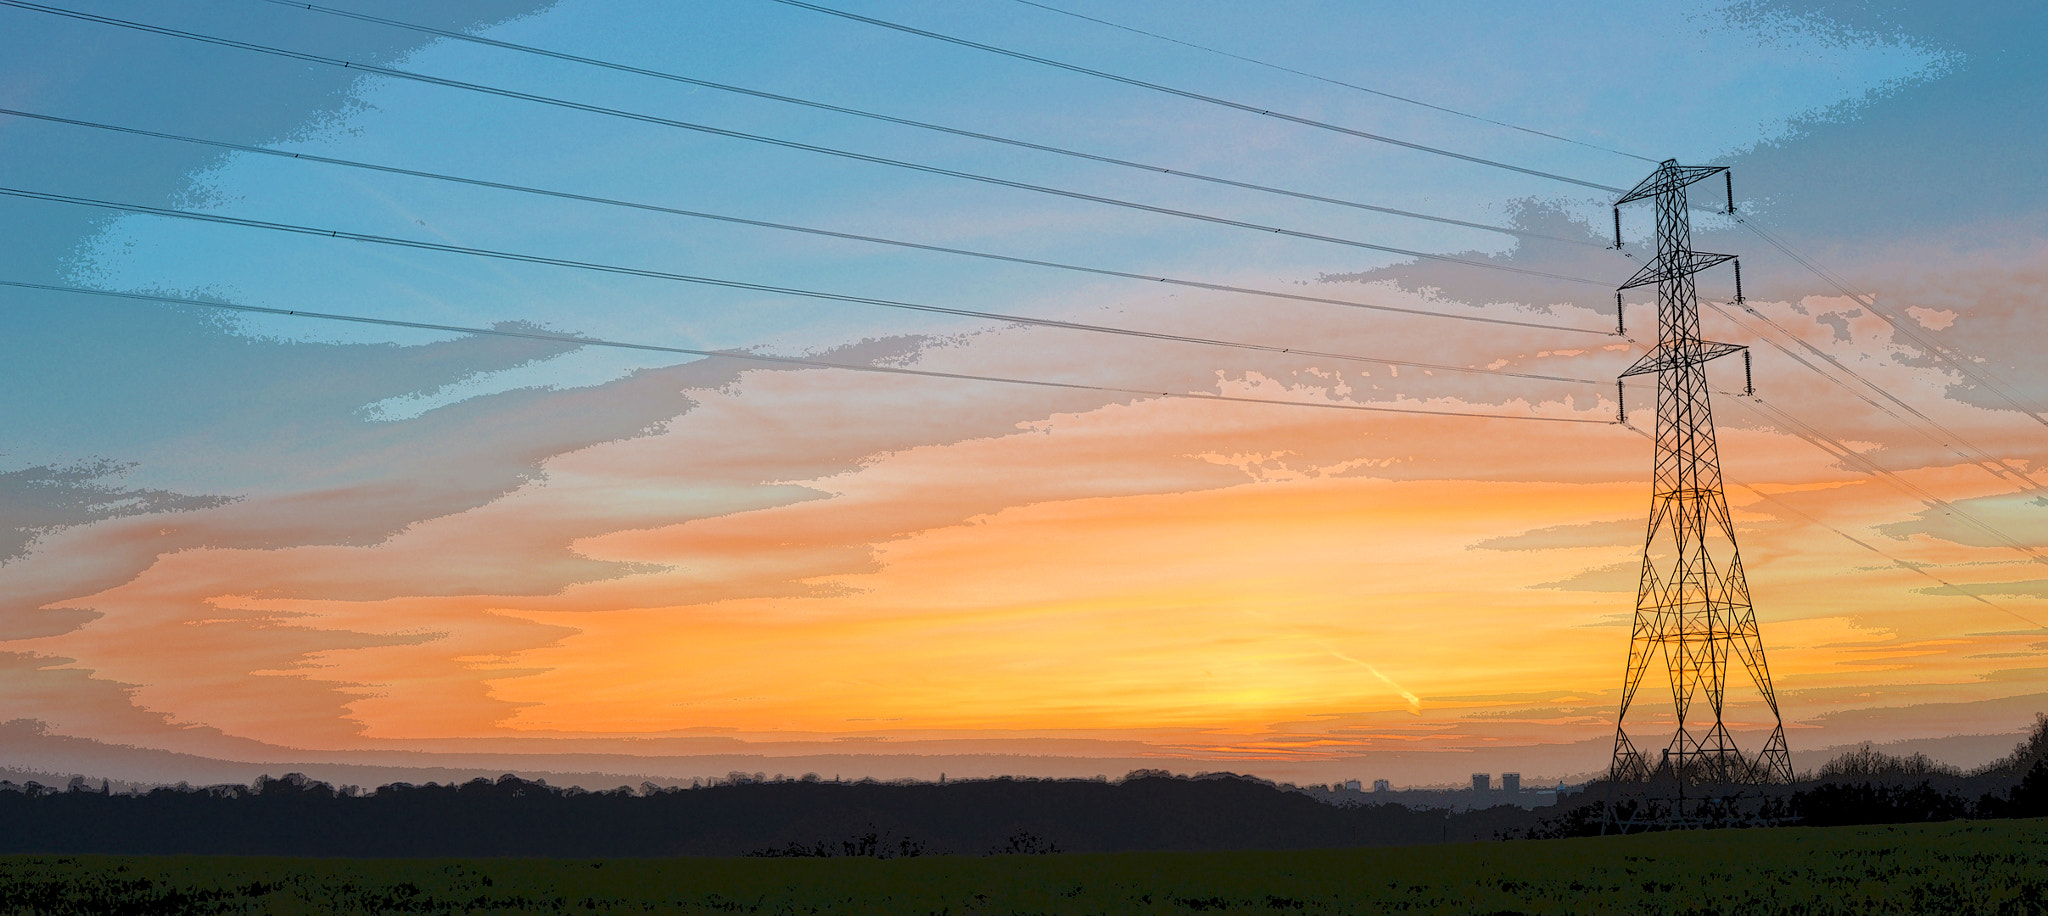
(1414, 702)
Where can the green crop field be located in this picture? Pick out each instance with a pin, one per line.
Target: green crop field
(1990, 867)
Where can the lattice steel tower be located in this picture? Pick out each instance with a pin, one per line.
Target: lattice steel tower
(1692, 606)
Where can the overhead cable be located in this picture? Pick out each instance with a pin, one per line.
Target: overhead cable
(1835, 447)
(1196, 96)
(1916, 568)
(786, 360)
(923, 125)
(787, 227)
(1909, 567)
(1900, 325)
(1841, 452)
(789, 144)
(1948, 438)
(742, 285)
(1321, 79)
(1927, 426)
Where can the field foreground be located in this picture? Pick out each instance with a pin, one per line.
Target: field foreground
(1989, 867)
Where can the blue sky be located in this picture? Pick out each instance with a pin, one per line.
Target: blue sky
(1575, 73)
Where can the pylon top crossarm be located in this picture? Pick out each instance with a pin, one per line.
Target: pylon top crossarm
(1665, 356)
(1669, 176)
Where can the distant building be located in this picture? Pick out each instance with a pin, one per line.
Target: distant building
(1482, 783)
(1351, 785)
(1381, 785)
(1511, 784)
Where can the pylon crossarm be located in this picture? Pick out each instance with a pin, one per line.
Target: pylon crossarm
(1669, 177)
(1684, 263)
(1667, 356)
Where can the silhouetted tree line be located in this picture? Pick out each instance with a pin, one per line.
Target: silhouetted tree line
(744, 815)
(1862, 786)
(750, 815)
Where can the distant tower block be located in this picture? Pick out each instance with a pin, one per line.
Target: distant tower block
(1482, 783)
(1511, 784)
(1381, 785)
(1692, 606)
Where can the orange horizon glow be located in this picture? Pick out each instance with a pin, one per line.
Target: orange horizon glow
(1251, 606)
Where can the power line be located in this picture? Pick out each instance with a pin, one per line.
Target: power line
(790, 144)
(923, 125)
(1841, 452)
(787, 227)
(1196, 96)
(780, 360)
(1910, 567)
(742, 285)
(456, 84)
(1947, 438)
(580, 341)
(1898, 324)
(1321, 79)
(1836, 448)
(1992, 464)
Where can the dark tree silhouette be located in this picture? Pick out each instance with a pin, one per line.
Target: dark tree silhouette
(745, 814)
(1869, 763)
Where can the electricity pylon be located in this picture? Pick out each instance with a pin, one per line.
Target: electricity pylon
(1692, 606)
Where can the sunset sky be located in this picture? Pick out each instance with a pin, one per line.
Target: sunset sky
(240, 534)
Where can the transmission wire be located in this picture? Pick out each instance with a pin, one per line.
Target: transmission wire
(742, 285)
(1910, 567)
(581, 341)
(1834, 448)
(1840, 451)
(788, 144)
(787, 227)
(1983, 459)
(1898, 324)
(780, 360)
(1956, 589)
(1322, 79)
(923, 125)
(1196, 96)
